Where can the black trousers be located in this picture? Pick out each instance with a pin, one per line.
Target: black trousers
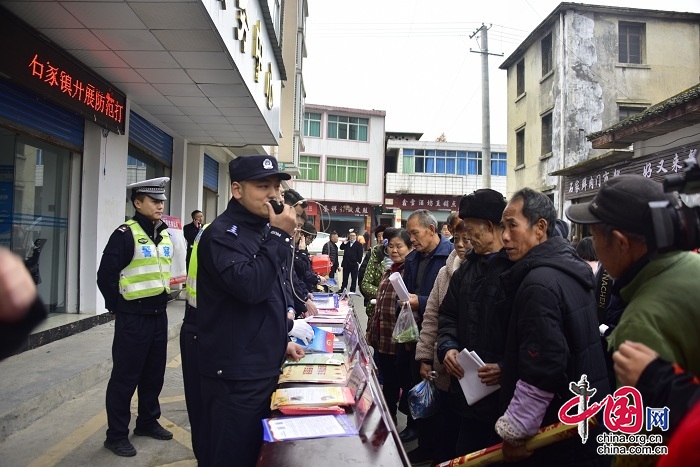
(190, 377)
(391, 386)
(350, 270)
(232, 419)
(139, 351)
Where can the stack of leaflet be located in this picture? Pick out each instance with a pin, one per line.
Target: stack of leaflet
(331, 310)
(322, 342)
(321, 426)
(312, 396)
(316, 368)
(472, 387)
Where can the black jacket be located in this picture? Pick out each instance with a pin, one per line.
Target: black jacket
(302, 266)
(117, 255)
(553, 338)
(353, 254)
(331, 249)
(475, 314)
(190, 232)
(242, 296)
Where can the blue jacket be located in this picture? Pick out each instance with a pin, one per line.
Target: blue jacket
(438, 258)
(242, 296)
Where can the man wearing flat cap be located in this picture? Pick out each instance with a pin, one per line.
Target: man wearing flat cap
(659, 291)
(243, 267)
(134, 278)
(474, 314)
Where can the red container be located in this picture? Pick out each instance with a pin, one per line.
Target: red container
(321, 264)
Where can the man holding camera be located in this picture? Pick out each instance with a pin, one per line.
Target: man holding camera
(660, 290)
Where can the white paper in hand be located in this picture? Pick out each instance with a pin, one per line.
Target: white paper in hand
(399, 286)
(472, 387)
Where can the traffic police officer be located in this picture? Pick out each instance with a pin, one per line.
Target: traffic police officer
(134, 278)
(242, 299)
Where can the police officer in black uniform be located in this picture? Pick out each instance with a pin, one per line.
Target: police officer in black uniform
(242, 303)
(134, 278)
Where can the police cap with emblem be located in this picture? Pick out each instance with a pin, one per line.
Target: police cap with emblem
(153, 188)
(255, 167)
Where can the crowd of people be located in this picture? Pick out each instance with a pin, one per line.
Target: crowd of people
(542, 312)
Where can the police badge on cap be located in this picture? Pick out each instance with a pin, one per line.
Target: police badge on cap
(153, 188)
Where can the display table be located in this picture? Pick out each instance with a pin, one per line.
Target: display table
(376, 444)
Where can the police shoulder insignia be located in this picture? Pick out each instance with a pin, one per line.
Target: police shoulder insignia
(142, 241)
(123, 228)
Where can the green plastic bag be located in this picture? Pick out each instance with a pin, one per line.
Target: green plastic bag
(406, 329)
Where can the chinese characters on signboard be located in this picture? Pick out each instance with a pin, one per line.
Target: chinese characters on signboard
(429, 202)
(345, 209)
(100, 100)
(655, 166)
(240, 32)
(39, 66)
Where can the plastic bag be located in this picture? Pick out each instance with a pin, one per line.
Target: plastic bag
(423, 399)
(406, 329)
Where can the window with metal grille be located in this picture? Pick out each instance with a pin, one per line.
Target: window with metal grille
(521, 77)
(547, 133)
(625, 112)
(520, 147)
(631, 37)
(546, 46)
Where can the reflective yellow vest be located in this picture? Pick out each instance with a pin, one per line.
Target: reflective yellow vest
(191, 285)
(148, 273)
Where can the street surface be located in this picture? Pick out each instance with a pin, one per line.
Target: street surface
(72, 435)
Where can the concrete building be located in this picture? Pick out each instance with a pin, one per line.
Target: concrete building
(583, 69)
(434, 175)
(293, 93)
(342, 166)
(95, 95)
(662, 137)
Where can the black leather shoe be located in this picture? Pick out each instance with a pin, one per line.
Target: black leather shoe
(121, 447)
(155, 432)
(408, 435)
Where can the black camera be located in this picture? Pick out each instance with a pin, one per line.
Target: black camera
(677, 226)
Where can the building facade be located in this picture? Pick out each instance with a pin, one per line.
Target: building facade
(434, 175)
(663, 138)
(341, 167)
(293, 92)
(97, 95)
(584, 68)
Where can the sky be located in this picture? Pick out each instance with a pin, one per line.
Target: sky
(412, 59)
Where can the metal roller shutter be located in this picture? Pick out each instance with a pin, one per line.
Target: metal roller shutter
(23, 110)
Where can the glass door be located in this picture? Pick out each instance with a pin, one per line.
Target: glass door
(34, 187)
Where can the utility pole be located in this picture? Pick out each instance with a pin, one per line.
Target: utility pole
(485, 109)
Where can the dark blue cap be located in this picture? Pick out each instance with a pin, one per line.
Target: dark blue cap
(255, 167)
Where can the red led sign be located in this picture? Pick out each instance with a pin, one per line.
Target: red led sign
(45, 69)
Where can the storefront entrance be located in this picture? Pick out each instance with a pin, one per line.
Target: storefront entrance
(34, 204)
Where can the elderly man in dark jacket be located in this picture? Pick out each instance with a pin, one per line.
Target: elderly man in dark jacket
(475, 315)
(553, 336)
(422, 266)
